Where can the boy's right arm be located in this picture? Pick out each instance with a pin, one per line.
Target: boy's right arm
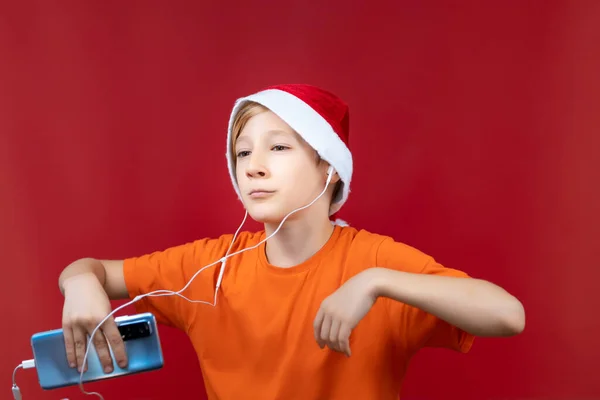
(88, 285)
(108, 272)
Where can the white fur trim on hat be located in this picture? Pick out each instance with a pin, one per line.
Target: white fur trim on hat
(310, 125)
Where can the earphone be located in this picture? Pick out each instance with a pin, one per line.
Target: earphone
(223, 261)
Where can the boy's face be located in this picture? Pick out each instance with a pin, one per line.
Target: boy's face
(277, 171)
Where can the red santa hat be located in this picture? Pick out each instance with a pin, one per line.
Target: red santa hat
(318, 116)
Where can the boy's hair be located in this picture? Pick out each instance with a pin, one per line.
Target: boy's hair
(249, 110)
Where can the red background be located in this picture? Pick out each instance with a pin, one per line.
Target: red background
(475, 136)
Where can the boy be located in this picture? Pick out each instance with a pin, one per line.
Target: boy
(320, 310)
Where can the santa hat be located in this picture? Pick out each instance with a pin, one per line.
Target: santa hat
(318, 116)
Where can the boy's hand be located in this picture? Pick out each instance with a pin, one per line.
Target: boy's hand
(341, 312)
(86, 305)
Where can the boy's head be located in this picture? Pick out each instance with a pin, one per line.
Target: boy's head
(280, 144)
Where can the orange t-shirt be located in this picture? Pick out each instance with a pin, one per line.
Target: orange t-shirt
(258, 341)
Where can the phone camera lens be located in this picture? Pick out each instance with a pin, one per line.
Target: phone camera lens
(135, 331)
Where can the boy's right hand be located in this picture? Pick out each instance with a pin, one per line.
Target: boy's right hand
(86, 305)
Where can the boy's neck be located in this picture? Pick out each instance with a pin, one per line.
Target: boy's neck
(296, 241)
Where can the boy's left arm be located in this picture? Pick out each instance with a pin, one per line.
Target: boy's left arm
(475, 306)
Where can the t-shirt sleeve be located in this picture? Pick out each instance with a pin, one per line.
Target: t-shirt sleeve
(416, 328)
(171, 269)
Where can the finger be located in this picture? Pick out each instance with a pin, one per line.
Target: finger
(101, 347)
(317, 324)
(325, 327)
(79, 336)
(115, 341)
(344, 339)
(334, 335)
(69, 345)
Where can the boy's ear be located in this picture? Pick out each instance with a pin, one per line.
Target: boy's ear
(335, 178)
(330, 170)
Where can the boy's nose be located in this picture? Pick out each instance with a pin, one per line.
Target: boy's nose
(256, 167)
(254, 173)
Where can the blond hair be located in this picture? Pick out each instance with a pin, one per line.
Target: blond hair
(248, 110)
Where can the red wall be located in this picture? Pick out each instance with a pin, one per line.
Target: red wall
(475, 135)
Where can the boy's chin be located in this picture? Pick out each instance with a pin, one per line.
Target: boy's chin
(267, 216)
(262, 218)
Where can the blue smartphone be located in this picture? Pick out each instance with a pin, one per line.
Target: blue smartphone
(142, 344)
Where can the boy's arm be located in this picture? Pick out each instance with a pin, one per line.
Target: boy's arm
(473, 305)
(88, 285)
(428, 304)
(108, 272)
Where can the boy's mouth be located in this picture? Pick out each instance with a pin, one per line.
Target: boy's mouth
(260, 193)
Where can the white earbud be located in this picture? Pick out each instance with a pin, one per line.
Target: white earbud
(330, 170)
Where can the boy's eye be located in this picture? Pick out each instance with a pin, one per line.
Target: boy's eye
(243, 153)
(279, 147)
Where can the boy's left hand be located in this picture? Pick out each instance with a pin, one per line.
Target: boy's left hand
(341, 311)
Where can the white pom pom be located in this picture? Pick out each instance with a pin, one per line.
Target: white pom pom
(340, 222)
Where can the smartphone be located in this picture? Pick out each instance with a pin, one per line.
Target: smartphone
(142, 344)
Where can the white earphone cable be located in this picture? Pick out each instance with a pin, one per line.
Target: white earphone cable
(223, 260)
